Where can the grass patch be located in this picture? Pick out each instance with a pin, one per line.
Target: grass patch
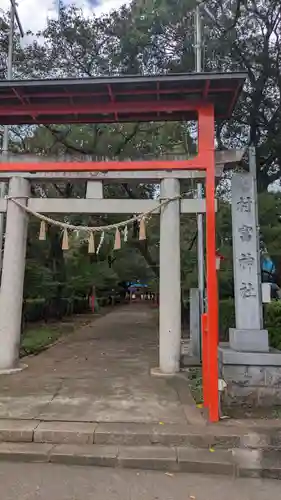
(38, 338)
(195, 384)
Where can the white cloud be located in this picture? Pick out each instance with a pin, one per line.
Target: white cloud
(108, 5)
(34, 13)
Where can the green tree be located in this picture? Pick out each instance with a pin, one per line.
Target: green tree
(148, 37)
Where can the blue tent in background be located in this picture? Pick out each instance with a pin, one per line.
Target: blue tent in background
(134, 285)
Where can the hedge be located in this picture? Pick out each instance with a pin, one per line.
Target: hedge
(273, 323)
(226, 318)
(272, 320)
(43, 309)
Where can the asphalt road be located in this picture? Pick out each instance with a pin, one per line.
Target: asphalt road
(56, 482)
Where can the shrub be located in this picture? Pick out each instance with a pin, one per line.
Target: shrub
(102, 301)
(226, 317)
(33, 309)
(44, 309)
(272, 320)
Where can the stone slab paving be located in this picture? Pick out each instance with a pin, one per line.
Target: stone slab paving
(142, 457)
(100, 456)
(17, 431)
(64, 432)
(172, 448)
(234, 463)
(101, 373)
(25, 452)
(158, 458)
(133, 434)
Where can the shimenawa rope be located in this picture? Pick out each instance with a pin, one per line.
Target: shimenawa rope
(94, 229)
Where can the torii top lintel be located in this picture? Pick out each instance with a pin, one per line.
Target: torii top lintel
(174, 97)
(118, 99)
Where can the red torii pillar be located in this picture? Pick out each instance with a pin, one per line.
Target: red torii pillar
(210, 321)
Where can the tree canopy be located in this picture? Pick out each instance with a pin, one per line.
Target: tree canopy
(149, 37)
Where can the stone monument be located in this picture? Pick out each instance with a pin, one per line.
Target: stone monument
(248, 334)
(251, 370)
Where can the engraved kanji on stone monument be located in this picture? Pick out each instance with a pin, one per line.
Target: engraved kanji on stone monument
(246, 233)
(247, 290)
(244, 204)
(246, 261)
(245, 257)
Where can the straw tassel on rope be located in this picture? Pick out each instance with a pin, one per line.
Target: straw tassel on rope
(43, 230)
(91, 246)
(142, 230)
(65, 244)
(117, 243)
(100, 243)
(126, 234)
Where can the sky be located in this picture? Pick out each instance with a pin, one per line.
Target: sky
(33, 13)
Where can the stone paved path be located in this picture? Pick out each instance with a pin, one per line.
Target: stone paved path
(99, 373)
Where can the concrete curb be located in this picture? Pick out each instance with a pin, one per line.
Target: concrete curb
(25, 452)
(132, 434)
(12, 371)
(235, 463)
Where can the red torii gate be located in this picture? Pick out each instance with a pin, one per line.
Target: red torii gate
(202, 97)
